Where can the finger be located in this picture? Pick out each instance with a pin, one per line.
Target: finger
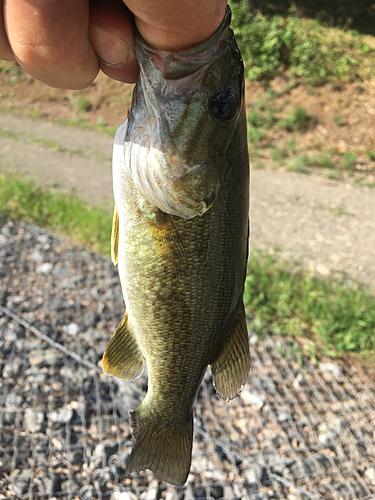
(176, 25)
(111, 35)
(5, 50)
(50, 40)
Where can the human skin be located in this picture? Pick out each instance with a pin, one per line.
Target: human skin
(65, 43)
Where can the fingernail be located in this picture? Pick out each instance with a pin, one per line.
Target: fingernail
(109, 48)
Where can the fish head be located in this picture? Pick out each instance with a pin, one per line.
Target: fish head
(185, 110)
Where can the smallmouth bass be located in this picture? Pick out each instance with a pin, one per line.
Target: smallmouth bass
(180, 238)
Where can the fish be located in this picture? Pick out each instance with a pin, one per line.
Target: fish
(180, 238)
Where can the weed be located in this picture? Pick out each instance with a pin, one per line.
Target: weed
(46, 143)
(102, 126)
(277, 154)
(83, 104)
(323, 160)
(349, 160)
(371, 155)
(339, 120)
(261, 115)
(11, 68)
(298, 164)
(73, 122)
(254, 119)
(256, 164)
(15, 72)
(298, 119)
(334, 175)
(34, 113)
(8, 134)
(255, 135)
(292, 146)
(336, 210)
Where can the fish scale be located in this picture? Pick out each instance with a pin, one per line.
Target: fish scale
(180, 238)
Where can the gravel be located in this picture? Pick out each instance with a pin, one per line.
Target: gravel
(299, 430)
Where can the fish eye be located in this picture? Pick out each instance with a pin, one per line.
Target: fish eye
(224, 105)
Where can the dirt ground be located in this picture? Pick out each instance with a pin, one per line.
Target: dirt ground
(341, 115)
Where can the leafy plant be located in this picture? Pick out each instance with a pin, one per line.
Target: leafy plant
(298, 164)
(84, 104)
(274, 44)
(339, 120)
(349, 160)
(334, 174)
(298, 119)
(255, 135)
(323, 160)
(277, 154)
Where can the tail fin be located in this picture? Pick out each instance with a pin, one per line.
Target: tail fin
(165, 451)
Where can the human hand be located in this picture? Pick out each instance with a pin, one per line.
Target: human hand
(65, 43)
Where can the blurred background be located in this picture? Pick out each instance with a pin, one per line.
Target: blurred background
(304, 426)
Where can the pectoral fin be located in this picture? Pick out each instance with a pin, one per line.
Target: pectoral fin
(115, 236)
(230, 369)
(122, 358)
(166, 237)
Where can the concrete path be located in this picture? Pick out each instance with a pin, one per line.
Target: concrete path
(327, 226)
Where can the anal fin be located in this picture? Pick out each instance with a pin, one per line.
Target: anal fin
(231, 367)
(122, 358)
(115, 236)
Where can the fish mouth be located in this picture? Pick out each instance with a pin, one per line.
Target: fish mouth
(176, 65)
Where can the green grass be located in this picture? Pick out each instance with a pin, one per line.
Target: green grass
(300, 304)
(255, 135)
(47, 143)
(289, 301)
(298, 119)
(334, 174)
(8, 134)
(323, 160)
(89, 226)
(298, 164)
(349, 160)
(277, 154)
(83, 104)
(339, 120)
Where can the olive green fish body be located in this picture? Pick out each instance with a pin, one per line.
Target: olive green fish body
(180, 237)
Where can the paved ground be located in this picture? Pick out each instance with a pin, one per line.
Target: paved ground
(326, 225)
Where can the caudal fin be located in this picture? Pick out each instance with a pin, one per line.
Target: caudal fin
(165, 451)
